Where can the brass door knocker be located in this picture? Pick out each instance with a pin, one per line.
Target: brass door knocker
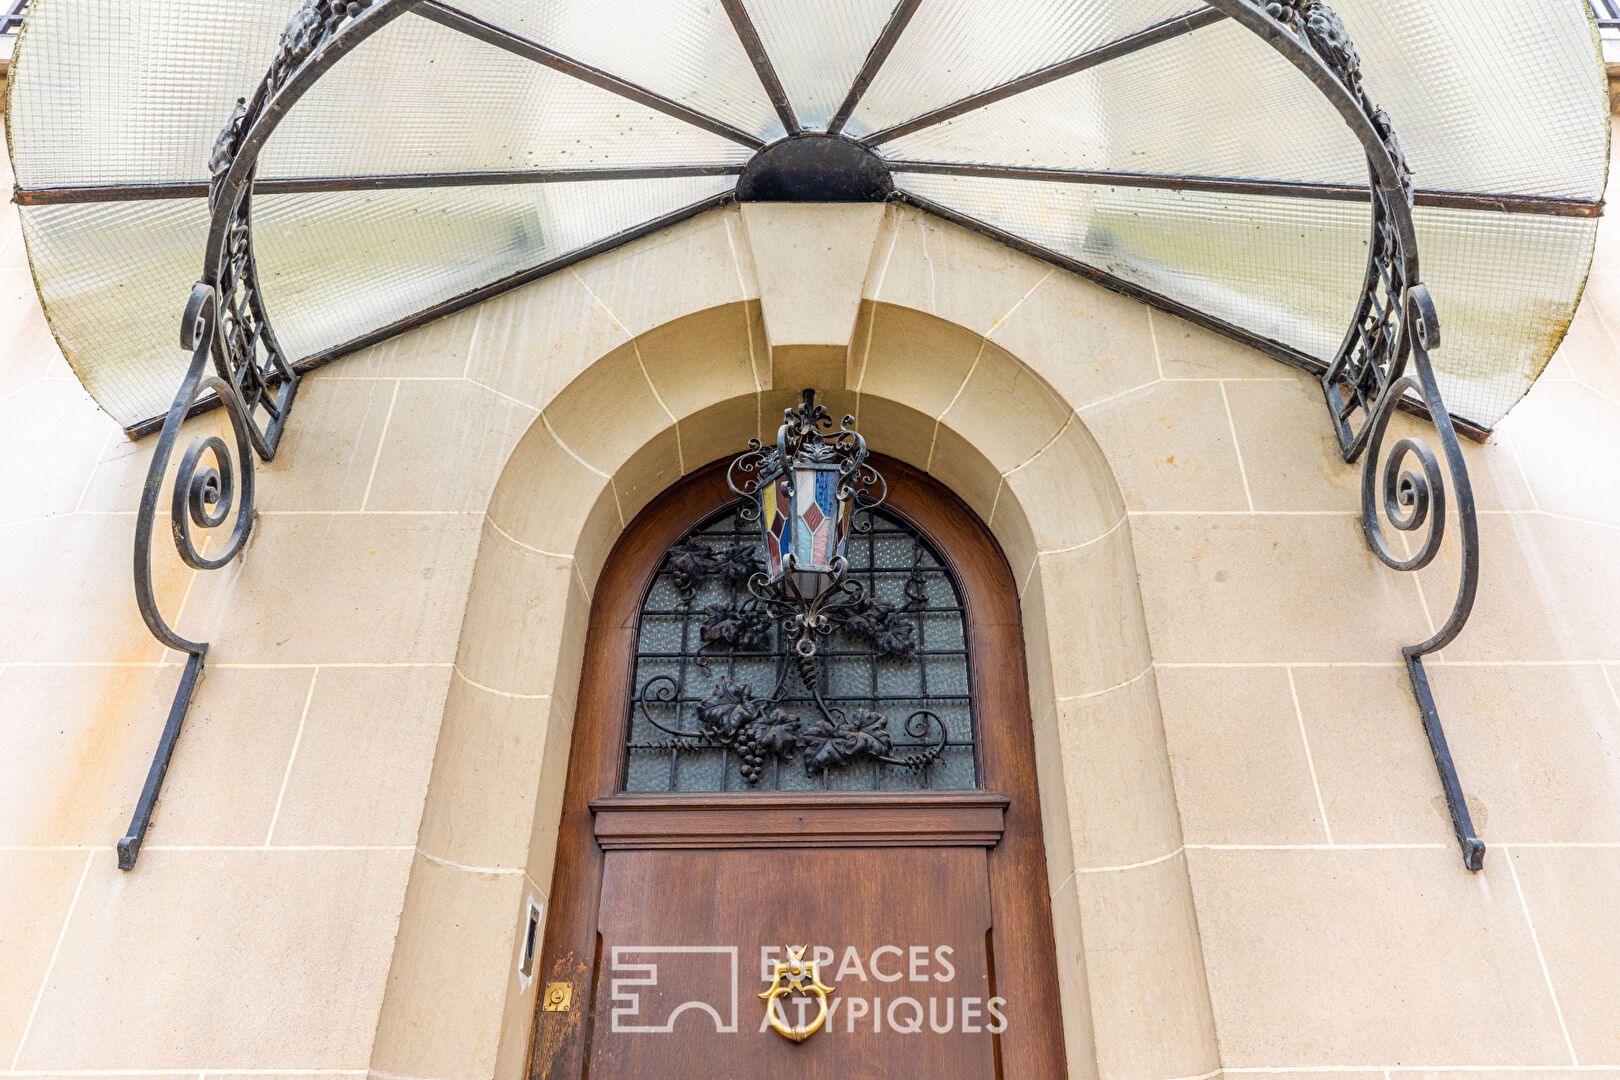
(803, 976)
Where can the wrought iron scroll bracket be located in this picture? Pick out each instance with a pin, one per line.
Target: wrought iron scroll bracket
(1384, 359)
(225, 327)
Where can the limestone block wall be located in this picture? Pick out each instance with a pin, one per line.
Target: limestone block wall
(1250, 862)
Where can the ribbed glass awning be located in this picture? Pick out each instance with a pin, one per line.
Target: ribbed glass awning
(1157, 143)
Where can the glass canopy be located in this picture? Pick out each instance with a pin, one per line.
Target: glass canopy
(1156, 144)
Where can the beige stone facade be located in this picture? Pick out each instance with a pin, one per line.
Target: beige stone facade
(1250, 860)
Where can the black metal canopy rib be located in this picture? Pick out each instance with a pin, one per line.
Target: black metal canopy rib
(1287, 189)
(1142, 39)
(749, 36)
(303, 185)
(874, 60)
(490, 34)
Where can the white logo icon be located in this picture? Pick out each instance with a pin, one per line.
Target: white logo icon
(626, 992)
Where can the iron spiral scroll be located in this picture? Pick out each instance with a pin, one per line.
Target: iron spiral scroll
(1384, 362)
(236, 361)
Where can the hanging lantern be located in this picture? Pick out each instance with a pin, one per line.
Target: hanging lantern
(805, 492)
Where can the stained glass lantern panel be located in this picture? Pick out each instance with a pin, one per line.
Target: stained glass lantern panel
(819, 524)
(773, 524)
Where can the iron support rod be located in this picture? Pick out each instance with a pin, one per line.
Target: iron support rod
(874, 60)
(1384, 362)
(303, 185)
(227, 332)
(1153, 35)
(490, 34)
(749, 36)
(1473, 848)
(1289, 189)
(129, 845)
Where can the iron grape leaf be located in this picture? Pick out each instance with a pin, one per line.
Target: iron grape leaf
(692, 560)
(744, 626)
(890, 633)
(777, 732)
(832, 743)
(736, 562)
(728, 709)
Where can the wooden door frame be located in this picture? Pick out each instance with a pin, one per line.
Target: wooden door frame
(1025, 975)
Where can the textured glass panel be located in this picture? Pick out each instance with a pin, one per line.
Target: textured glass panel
(1505, 287)
(1287, 269)
(849, 677)
(470, 107)
(953, 771)
(958, 721)
(890, 588)
(947, 675)
(337, 265)
(893, 552)
(1489, 95)
(899, 678)
(862, 777)
(1486, 95)
(790, 777)
(698, 770)
(953, 48)
(854, 681)
(107, 93)
(894, 779)
(662, 634)
(758, 674)
(942, 631)
(683, 49)
(817, 47)
(647, 770)
(664, 594)
(114, 278)
(1216, 102)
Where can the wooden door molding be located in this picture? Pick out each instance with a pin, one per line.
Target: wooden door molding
(1003, 818)
(800, 820)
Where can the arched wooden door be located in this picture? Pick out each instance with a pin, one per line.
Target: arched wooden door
(686, 866)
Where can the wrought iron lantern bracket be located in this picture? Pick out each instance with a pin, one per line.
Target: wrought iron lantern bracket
(1382, 363)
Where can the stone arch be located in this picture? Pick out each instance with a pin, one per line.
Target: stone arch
(956, 356)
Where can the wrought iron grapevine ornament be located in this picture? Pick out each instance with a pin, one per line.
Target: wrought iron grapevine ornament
(806, 494)
(758, 729)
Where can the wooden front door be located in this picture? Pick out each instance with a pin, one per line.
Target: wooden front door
(875, 808)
